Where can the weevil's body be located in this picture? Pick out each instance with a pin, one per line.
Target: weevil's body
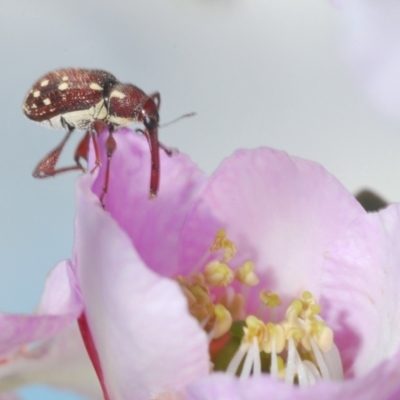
(79, 99)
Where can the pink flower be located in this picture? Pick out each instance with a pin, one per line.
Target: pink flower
(299, 227)
(371, 39)
(152, 326)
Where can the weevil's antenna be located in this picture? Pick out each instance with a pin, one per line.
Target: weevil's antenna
(192, 114)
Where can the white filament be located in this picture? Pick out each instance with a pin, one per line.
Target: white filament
(320, 361)
(237, 358)
(290, 363)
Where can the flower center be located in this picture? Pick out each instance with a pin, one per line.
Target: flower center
(298, 349)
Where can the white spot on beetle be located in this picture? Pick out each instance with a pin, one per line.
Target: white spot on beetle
(34, 106)
(44, 83)
(65, 78)
(63, 86)
(81, 119)
(47, 102)
(36, 93)
(95, 86)
(118, 94)
(117, 121)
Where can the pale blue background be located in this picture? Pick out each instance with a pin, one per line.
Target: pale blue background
(257, 72)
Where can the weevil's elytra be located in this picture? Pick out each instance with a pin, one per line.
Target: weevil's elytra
(91, 100)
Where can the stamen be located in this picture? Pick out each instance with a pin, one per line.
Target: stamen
(237, 359)
(274, 360)
(246, 274)
(273, 334)
(299, 349)
(301, 371)
(255, 328)
(270, 299)
(332, 359)
(257, 358)
(290, 362)
(223, 321)
(230, 294)
(313, 371)
(320, 360)
(221, 242)
(234, 303)
(253, 357)
(205, 321)
(218, 274)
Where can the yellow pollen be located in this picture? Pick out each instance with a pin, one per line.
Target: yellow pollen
(270, 299)
(223, 321)
(308, 297)
(293, 331)
(273, 335)
(221, 242)
(218, 240)
(198, 297)
(218, 274)
(255, 328)
(310, 307)
(245, 274)
(314, 309)
(294, 310)
(320, 333)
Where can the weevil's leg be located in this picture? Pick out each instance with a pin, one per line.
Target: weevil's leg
(168, 150)
(82, 149)
(152, 139)
(110, 147)
(156, 98)
(97, 161)
(96, 128)
(46, 166)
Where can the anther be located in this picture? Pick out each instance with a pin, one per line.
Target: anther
(218, 274)
(221, 242)
(270, 299)
(246, 275)
(223, 321)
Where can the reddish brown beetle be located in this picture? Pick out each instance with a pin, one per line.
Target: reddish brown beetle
(92, 100)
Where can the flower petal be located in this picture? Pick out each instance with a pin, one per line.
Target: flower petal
(154, 232)
(60, 305)
(361, 289)
(146, 340)
(280, 211)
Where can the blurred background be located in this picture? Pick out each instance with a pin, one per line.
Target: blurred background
(257, 73)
